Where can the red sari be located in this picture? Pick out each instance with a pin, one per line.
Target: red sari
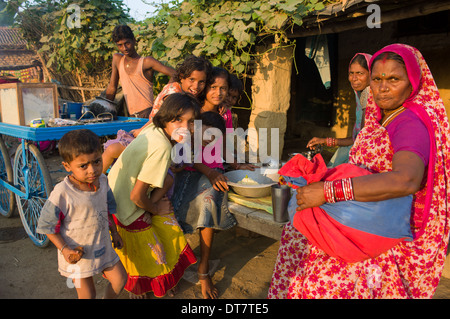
(410, 269)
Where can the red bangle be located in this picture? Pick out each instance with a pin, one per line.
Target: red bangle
(331, 141)
(338, 190)
(348, 189)
(328, 191)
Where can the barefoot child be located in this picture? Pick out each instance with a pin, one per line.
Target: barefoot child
(155, 252)
(77, 218)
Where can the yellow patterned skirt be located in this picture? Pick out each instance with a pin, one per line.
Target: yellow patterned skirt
(155, 256)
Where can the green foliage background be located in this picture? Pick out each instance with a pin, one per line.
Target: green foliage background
(225, 32)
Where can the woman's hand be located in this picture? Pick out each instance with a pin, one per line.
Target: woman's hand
(218, 180)
(310, 196)
(316, 141)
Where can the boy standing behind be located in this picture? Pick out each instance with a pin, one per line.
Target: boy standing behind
(135, 73)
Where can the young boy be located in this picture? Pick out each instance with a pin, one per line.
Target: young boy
(135, 73)
(77, 218)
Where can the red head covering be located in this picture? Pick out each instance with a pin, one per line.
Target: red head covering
(365, 55)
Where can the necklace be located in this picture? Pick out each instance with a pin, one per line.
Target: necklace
(128, 62)
(392, 116)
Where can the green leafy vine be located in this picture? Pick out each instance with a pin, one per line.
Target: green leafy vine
(225, 32)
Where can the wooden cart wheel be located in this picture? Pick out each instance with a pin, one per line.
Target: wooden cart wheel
(31, 170)
(7, 203)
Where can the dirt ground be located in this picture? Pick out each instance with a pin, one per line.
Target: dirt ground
(246, 262)
(26, 271)
(244, 271)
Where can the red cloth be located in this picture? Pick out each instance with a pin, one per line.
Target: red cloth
(300, 166)
(322, 230)
(2, 81)
(337, 240)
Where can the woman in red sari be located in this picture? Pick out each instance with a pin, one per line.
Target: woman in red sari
(405, 142)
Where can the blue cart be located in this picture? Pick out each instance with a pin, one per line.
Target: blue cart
(27, 181)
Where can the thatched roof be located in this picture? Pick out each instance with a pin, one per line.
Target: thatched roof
(14, 54)
(11, 39)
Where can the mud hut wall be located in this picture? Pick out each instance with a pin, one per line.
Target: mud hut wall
(270, 98)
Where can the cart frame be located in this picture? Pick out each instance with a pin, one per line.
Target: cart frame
(27, 181)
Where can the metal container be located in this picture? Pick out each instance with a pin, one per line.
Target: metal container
(109, 105)
(308, 154)
(264, 180)
(281, 194)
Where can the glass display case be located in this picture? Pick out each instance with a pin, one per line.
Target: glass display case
(22, 102)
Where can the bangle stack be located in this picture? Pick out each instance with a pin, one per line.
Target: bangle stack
(338, 191)
(348, 188)
(328, 191)
(331, 141)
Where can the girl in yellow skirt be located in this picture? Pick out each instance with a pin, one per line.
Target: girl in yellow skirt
(155, 253)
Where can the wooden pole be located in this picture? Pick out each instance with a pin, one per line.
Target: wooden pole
(44, 67)
(81, 84)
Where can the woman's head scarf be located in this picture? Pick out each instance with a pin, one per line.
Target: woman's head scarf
(365, 55)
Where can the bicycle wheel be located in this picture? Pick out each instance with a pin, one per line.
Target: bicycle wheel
(30, 171)
(6, 174)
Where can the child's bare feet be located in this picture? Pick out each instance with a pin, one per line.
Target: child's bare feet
(143, 296)
(209, 291)
(172, 292)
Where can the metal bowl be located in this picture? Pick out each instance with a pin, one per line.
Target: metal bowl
(264, 180)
